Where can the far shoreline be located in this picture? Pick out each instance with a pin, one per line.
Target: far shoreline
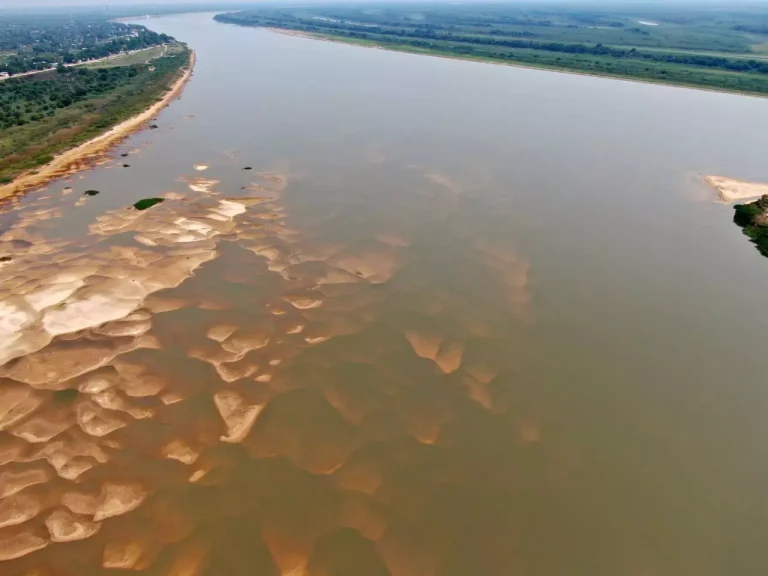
(435, 54)
(70, 160)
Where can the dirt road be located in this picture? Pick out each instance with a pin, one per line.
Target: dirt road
(32, 72)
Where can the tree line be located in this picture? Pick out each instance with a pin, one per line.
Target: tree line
(427, 34)
(24, 100)
(43, 114)
(32, 98)
(49, 48)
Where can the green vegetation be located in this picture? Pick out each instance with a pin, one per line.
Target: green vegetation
(44, 114)
(45, 111)
(42, 42)
(141, 57)
(147, 203)
(753, 219)
(695, 45)
(29, 99)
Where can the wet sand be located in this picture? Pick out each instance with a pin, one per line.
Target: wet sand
(73, 160)
(88, 329)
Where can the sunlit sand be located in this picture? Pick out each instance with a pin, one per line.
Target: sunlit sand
(734, 190)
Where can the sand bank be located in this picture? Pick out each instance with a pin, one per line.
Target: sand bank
(732, 189)
(75, 159)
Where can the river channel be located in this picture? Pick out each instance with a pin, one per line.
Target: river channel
(397, 315)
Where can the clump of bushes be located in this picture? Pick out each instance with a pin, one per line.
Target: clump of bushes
(753, 219)
(147, 203)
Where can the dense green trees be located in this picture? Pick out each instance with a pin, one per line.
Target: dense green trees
(752, 219)
(45, 42)
(27, 99)
(43, 114)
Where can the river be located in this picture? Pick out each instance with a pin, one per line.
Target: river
(397, 315)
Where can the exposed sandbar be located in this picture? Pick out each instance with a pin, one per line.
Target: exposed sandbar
(733, 190)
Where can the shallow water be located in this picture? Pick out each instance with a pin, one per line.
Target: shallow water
(457, 319)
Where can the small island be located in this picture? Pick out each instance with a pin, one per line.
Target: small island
(733, 189)
(753, 219)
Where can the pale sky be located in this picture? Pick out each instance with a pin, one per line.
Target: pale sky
(224, 4)
(102, 3)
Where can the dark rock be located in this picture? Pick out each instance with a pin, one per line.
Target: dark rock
(91, 192)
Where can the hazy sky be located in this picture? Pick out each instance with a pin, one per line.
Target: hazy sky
(102, 3)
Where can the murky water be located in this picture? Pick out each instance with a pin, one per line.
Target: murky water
(458, 319)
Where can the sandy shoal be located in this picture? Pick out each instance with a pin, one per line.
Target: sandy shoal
(732, 189)
(73, 160)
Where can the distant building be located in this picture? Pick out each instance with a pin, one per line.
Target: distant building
(4, 75)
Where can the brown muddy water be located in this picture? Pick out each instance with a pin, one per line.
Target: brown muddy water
(458, 319)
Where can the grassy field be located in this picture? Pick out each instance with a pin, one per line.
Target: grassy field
(692, 45)
(139, 57)
(55, 111)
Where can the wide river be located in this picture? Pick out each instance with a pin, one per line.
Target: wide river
(398, 315)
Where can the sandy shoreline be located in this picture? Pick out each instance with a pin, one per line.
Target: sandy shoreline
(76, 158)
(328, 38)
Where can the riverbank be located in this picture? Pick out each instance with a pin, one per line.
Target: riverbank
(78, 158)
(485, 60)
